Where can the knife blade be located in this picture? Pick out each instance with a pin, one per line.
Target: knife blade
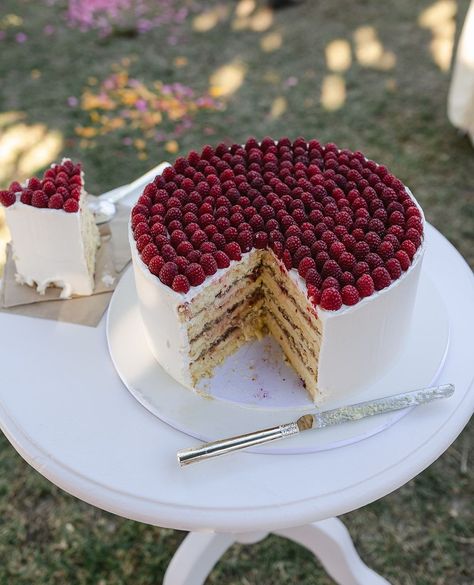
(318, 420)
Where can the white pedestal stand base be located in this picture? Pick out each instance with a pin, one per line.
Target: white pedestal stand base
(328, 540)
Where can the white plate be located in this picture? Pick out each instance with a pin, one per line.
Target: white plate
(255, 388)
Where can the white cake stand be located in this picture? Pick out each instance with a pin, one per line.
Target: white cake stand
(66, 411)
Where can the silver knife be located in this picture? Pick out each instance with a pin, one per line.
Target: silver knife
(318, 420)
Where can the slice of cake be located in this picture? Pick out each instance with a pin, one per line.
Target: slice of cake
(53, 234)
(317, 246)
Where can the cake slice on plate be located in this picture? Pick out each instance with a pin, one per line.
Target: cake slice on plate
(54, 236)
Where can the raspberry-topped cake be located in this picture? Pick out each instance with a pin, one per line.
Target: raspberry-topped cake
(54, 236)
(317, 246)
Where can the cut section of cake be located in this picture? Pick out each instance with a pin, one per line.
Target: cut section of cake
(54, 238)
(316, 246)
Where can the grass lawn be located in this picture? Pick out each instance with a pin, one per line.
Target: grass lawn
(367, 75)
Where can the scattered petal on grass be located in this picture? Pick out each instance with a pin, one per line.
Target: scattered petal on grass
(333, 92)
(271, 42)
(338, 55)
(21, 37)
(72, 101)
(279, 107)
(122, 101)
(142, 16)
(180, 62)
(227, 79)
(291, 81)
(172, 146)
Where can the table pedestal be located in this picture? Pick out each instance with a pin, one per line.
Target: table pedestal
(328, 540)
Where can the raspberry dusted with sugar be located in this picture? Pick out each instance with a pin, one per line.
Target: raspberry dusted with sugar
(340, 221)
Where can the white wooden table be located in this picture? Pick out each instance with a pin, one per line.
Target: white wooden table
(64, 409)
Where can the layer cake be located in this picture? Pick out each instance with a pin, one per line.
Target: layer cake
(317, 246)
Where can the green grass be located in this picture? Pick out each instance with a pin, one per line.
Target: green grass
(423, 533)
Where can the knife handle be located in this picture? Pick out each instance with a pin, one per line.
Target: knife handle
(216, 448)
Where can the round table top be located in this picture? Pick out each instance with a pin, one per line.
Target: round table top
(65, 410)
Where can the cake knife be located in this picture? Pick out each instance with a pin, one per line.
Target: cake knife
(317, 420)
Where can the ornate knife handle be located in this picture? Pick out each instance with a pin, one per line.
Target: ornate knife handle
(216, 448)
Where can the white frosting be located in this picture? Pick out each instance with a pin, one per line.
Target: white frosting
(359, 343)
(54, 248)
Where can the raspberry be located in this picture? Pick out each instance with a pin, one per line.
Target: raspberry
(415, 223)
(350, 295)
(331, 299)
(403, 258)
(396, 218)
(331, 268)
(15, 187)
(26, 196)
(312, 277)
(140, 209)
(409, 247)
(208, 264)
(232, 250)
(287, 260)
(140, 229)
(360, 268)
(207, 248)
(361, 249)
(180, 284)
(195, 274)
(381, 278)
(148, 252)
(168, 253)
(142, 241)
(219, 241)
(306, 264)
(70, 205)
(49, 188)
(414, 236)
(198, 238)
(156, 264)
(56, 201)
(194, 256)
(292, 244)
(394, 268)
(346, 278)
(336, 250)
(373, 260)
(222, 259)
(245, 240)
(365, 285)
(39, 199)
(168, 272)
(385, 250)
(373, 240)
(346, 260)
(261, 240)
(157, 229)
(330, 282)
(34, 184)
(183, 248)
(7, 198)
(136, 219)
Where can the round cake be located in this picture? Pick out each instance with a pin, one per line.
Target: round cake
(315, 245)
